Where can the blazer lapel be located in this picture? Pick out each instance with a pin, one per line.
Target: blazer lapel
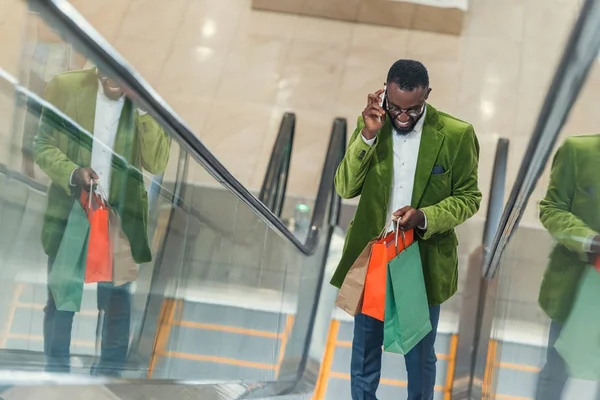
(86, 109)
(123, 147)
(431, 143)
(86, 106)
(385, 161)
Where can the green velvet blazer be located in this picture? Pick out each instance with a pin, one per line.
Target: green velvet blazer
(447, 199)
(571, 214)
(60, 147)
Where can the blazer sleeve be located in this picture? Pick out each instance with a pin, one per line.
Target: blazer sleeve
(351, 173)
(52, 160)
(465, 196)
(156, 144)
(555, 209)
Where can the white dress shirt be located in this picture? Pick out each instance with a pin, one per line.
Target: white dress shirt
(106, 124)
(406, 153)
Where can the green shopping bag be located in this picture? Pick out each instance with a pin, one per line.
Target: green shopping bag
(406, 320)
(67, 271)
(579, 340)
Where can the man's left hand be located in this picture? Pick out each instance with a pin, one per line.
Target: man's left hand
(409, 218)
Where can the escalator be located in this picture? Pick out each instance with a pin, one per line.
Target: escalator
(228, 304)
(232, 304)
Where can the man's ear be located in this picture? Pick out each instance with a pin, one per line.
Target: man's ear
(427, 95)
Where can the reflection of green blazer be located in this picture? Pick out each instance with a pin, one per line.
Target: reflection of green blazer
(571, 214)
(447, 199)
(60, 148)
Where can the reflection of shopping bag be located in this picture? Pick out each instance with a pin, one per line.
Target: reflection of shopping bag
(124, 267)
(406, 320)
(350, 296)
(99, 262)
(579, 340)
(383, 251)
(68, 269)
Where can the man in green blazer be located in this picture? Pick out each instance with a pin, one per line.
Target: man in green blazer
(408, 161)
(124, 141)
(571, 214)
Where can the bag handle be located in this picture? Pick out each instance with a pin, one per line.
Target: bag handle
(94, 193)
(403, 237)
(385, 229)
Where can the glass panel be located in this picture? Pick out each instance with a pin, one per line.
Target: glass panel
(218, 294)
(545, 334)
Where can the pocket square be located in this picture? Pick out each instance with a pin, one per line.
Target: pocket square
(438, 170)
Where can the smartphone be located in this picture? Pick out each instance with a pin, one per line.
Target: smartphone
(382, 98)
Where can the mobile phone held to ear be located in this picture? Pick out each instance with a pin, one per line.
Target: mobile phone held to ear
(382, 98)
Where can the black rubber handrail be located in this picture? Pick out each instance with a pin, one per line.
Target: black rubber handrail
(272, 192)
(579, 55)
(61, 15)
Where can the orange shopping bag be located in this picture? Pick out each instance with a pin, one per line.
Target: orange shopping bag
(99, 262)
(382, 252)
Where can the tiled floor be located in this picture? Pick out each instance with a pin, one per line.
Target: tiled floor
(231, 72)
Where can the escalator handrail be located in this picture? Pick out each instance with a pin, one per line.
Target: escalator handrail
(272, 192)
(61, 14)
(579, 55)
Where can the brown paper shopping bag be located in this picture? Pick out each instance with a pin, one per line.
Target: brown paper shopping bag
(125, 268)
(350, 296)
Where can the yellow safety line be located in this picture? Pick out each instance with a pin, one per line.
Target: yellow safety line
(383, 381)
(33, 306)
(508, 397)
(348, 344)
(161, 341)
(11, 314)
(451, 367)
(219, 360)
(518, 367)
(39, 338)
(323, 379)
(230, 329)
(287, 330)
(490, 365)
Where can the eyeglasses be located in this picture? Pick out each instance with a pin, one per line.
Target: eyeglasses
(411, 112)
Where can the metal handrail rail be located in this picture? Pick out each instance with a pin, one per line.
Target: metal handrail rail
(61, 14)
(272, 192)
(579, 55)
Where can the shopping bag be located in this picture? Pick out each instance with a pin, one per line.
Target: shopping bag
(99, 261)
(578, 343)
(68, 269)
(406, 320)
(125, 268)
(382, 251)
(350, 295)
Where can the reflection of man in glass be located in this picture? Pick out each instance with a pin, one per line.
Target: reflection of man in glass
(570, 212)
(73, 160)
(50, 56)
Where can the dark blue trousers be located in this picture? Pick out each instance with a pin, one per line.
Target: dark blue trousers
(114, 318)
(365, 368)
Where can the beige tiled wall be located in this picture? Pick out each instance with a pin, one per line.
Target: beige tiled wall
(231, 72)
(398, 14)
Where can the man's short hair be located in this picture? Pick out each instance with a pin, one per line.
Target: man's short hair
(408, 75)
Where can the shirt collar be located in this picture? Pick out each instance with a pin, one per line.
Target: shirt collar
(419, 125)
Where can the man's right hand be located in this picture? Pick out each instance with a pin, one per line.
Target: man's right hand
(373, 115)
(84, 178)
